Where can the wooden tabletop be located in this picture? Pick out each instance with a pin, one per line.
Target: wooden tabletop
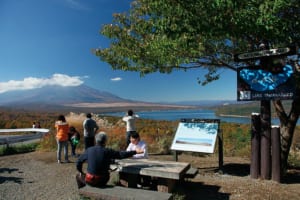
(154, 168)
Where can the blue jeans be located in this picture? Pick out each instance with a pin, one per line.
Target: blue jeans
(60, 145)
(73, 148)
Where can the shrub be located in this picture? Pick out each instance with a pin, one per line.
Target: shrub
(15, 149)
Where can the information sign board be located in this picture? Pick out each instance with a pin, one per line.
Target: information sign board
(196, 135)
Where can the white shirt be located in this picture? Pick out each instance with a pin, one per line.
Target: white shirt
(142, 145)
(130, 122)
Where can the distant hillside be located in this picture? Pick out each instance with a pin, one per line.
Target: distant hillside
(80, 98)
(58, 95)
(246, 109)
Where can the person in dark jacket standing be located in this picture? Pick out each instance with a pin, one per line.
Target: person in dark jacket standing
(98, 160)
(90, 127)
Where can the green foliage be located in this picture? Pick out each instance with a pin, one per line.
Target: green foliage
(48, 142)
(247, 109)
(166, 35)
(236, 139)
(15, 149)
(294, 160)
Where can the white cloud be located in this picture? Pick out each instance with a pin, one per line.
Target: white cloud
(76, 4)
(32, 83)
(116, 79)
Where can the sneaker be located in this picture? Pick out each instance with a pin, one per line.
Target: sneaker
(59, 162)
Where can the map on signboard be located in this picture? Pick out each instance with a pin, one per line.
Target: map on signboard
(196, 136)
(259, 84)
(272, 79)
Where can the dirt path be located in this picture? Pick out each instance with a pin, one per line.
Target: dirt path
(36, 175)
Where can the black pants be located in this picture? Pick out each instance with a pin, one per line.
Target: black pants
(89, 142)
(73, 147)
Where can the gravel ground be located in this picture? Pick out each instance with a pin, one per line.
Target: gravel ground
(37, 176)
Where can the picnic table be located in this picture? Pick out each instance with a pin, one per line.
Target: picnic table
(166, 173)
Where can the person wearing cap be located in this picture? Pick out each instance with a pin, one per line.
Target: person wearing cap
(98, 160)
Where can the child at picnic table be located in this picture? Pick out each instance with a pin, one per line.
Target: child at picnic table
(136, 142)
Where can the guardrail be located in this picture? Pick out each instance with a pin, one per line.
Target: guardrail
(8, 139)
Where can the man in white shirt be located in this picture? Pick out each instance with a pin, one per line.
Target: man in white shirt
(130, 124)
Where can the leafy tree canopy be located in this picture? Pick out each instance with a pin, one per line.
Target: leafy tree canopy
(166, 35)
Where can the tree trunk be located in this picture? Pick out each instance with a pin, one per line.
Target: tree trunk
(287, 127)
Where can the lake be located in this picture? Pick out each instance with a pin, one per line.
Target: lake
(173, 115)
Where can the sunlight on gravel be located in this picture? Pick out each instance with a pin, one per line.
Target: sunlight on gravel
(37, 176)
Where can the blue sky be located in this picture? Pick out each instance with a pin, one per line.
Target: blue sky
(49, 42)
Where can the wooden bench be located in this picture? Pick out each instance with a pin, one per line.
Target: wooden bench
(165, 173)
(191, 173)
(122, 193)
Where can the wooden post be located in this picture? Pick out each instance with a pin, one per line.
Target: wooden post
(175, 155)
(265, 139)
(220, 147)
(276, 162)
(255, 145)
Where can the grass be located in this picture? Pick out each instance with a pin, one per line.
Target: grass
(294, 160)
(16, 149)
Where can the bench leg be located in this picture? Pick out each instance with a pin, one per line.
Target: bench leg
(128, 180)
(165, 185)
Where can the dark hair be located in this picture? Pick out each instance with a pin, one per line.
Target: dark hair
(134, 135)
(130, 112)
(88, 115)
(72, 129)
(61, 118)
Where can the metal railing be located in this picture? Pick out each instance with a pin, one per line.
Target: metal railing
(37, 133)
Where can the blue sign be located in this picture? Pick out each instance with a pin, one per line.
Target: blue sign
(258, 84)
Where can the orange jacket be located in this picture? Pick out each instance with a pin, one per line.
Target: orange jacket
(62, 130)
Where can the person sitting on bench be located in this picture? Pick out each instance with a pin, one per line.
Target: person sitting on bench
(98, 160)
(136, 142)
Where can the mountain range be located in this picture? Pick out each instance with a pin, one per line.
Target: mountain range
(79, 97)
(83, 96)
(58, 95)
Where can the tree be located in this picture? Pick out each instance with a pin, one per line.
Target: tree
(167, 35)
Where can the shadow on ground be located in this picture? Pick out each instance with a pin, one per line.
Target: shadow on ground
(197, 190)
(9, 179)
